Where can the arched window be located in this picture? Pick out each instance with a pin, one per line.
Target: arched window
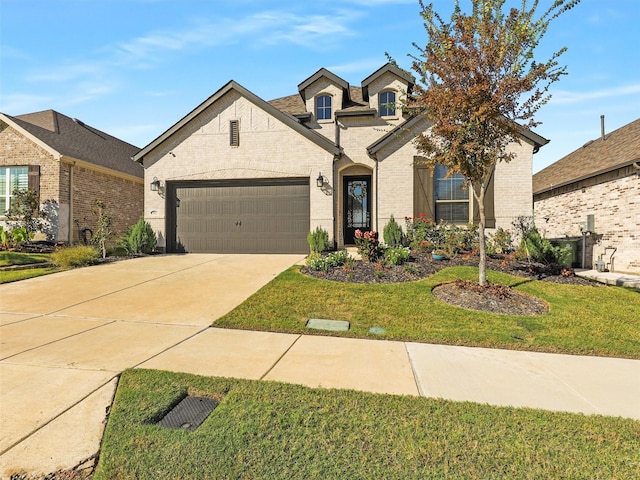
(387, 102)
(323, 107)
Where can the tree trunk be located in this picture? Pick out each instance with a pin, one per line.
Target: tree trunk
(479, 190)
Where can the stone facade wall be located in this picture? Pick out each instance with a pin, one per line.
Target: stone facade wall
(123, 200)
(616, 209)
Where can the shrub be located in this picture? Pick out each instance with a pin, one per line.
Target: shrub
(140, 238)
(368, 245)
(318, 240)
(78, 256)
(103, 230)
(500, 242)
(392, 233)
(396, 255)
(318, 262)
(24, 212)
(423, 233)
(538, 249)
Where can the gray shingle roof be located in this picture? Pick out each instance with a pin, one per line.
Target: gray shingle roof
(620, 148)
(73, 138)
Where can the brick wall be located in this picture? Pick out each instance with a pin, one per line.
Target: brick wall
(616, 209)
(123, 199)
(17, 150)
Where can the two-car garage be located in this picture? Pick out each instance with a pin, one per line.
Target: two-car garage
(244, 216)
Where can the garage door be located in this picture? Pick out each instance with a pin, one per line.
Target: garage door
(258, 216)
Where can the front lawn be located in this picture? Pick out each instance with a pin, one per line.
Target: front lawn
(8, 259)
(269, 430)
(24, 261)
(584, 320)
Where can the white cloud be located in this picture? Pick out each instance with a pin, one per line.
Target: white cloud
(365, 65)
(568, 97)
(19, 103)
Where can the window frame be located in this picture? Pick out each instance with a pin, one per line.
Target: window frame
(440, 175)
(6, 195)
(387, 112)
(324, 108)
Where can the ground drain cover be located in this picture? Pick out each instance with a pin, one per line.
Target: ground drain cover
(189, 413)
(331, 325)
(377, 330)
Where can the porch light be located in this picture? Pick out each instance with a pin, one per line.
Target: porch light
(155, 185)
(320, 180)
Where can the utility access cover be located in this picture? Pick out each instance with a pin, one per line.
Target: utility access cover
(188, 414)
(330, 325)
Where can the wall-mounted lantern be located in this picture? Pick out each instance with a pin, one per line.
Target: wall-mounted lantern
(155, 184)
(320, 180)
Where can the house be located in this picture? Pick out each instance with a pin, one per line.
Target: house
(240, 174)
(70, 165)
(595, 190)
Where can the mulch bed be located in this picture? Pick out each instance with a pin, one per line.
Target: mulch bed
(491, 298)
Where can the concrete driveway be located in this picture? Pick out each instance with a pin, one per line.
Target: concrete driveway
(64, 338)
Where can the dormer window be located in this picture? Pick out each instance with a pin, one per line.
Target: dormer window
(323, 107)
(387, 102)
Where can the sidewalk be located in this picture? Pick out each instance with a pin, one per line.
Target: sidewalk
(612, 278)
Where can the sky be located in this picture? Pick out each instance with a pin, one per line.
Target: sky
(133, 68)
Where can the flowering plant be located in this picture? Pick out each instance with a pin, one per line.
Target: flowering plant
(368, 245)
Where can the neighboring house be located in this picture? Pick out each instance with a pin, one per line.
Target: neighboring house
(601, 179)
(70, 165)
(239, 174)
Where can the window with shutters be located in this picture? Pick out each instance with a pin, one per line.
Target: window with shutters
(234, 133)
(441, 198)
(451, 196)
(11, 179)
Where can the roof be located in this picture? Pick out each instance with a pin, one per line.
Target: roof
(391, 68)
(323, 72)
(284, 116)
(294, 105)
(73, 138)
(619, 149)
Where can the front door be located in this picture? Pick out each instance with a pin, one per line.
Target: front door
(357, 206)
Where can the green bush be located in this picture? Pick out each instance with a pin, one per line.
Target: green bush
(79, 256)
(318, 240)
(368, 245)
(500, 242)
(538, 249)
(392, 233)
(140, 238)
(396, 255)
(318, 262)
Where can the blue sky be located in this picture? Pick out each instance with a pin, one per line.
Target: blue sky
(135, 67)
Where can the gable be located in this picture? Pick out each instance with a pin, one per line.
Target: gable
(224, 105)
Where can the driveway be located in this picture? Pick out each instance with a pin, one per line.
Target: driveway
(64, 338)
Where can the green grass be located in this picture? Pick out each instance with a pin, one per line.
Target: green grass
(8, 259)
(269, 430)
(581, 320)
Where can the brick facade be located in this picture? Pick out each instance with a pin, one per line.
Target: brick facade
(615, 205)
(67, 192)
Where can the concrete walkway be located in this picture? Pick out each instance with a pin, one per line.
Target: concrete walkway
(65, 338)
(612, 278)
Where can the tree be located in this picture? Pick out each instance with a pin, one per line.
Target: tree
(24, 211)
(103, 226)
(480, 85)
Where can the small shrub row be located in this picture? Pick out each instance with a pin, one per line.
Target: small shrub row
(79, 256)
(424, 234)
(319, 262)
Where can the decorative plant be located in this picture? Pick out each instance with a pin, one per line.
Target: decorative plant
(140, 238)
(103, 230)
(368, 245)
(392, 233)
(24, 212)
(318, 240)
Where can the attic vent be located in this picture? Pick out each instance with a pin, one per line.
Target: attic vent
(234, 133)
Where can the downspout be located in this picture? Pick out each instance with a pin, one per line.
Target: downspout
(70, 221)
(375, 159)
(336, 196)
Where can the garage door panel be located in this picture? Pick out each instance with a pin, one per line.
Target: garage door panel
(254, 217)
